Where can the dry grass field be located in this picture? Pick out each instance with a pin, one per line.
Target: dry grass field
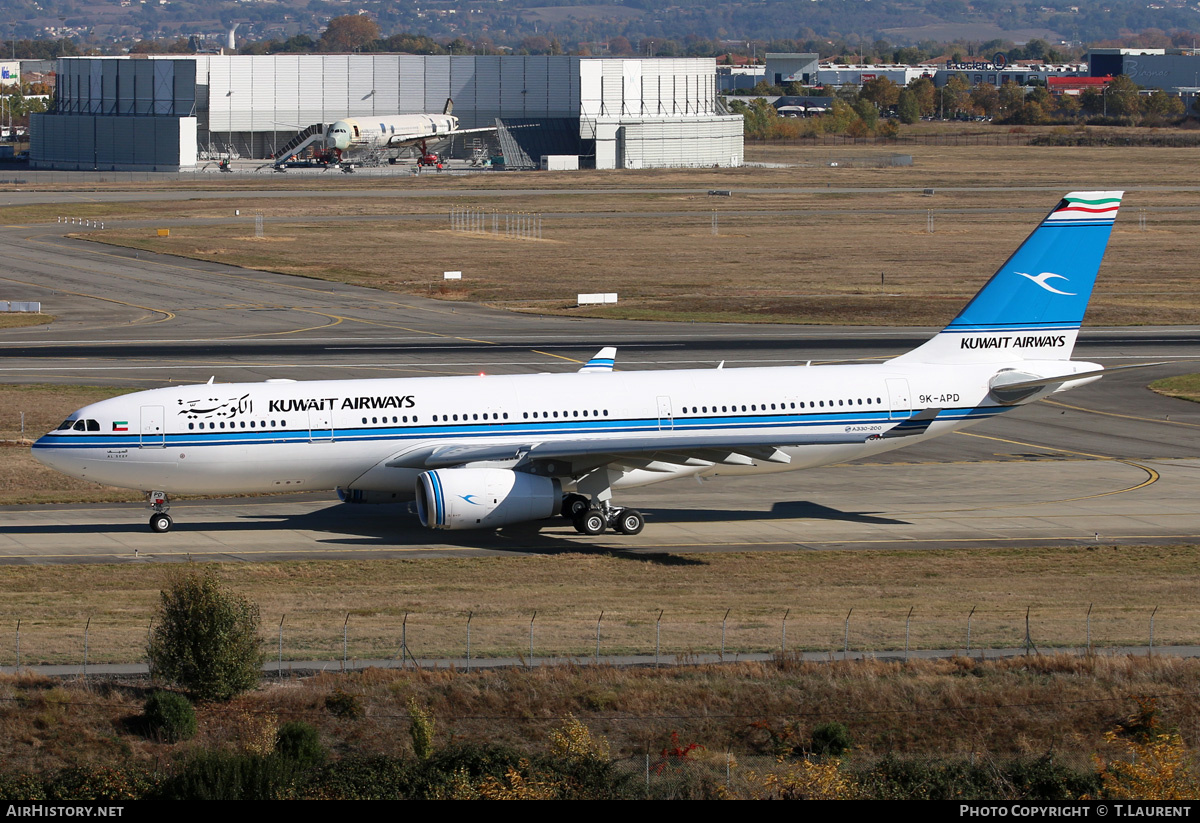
(786, 250)
(956, 709)
(25, 480)
(693, 592)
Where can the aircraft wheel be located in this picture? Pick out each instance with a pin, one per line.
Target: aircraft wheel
(629, 521)
(160, 523)
(573, 505)
(590, 522)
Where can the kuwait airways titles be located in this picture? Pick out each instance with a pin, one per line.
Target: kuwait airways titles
(329, 403)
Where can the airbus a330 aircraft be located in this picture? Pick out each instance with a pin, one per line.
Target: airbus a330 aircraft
(487, 451)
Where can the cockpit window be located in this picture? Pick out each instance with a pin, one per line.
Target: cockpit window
(93, 425)
(80, 426)
(66, 424)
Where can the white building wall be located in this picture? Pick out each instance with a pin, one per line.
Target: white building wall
(253, 102)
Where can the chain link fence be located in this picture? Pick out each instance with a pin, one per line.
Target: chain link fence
(401, 638)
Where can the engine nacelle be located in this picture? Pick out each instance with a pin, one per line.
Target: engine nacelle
(484, 498)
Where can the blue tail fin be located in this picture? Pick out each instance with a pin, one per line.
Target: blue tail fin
(1032, 307)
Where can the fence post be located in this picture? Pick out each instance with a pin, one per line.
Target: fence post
(1089, 629)
(470, 615)
(279, 670)
(88, 625)
(531, 637)
(657, 636)
(404, 642)
(969, 616)
(1150, 652)
(723, 619)
(846, 635)
(907, 624)
(783, 634)
(345, 630)
(598, 619)
(18, 643)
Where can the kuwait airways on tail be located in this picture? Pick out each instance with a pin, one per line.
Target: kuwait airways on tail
(487, 451)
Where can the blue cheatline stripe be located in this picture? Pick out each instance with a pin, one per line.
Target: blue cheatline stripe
(1045, 325)
(705, 424)
(437, 498)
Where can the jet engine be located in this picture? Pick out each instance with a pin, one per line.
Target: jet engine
(484, 498)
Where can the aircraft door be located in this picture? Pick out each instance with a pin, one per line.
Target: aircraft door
(320, 426)
(899, 400)
(666, 420)
(153, 427)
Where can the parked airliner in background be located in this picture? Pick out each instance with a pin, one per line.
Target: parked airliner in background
(393, 132)
(487, 451)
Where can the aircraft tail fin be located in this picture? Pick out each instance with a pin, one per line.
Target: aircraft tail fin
(449, 107)
(1032, 307)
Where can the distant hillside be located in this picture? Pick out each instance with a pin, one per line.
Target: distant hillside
(695, 26)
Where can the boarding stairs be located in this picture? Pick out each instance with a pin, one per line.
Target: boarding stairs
(294, 147)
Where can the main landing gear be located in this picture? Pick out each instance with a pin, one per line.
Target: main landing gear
(592, 520)
(160, 521)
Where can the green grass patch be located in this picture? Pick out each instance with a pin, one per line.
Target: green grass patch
(1185, 387)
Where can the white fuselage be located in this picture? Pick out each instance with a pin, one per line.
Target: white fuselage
(285, 436)
(393, 131)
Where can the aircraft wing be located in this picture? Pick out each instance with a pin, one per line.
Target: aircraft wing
(670, 447)
(397, 141)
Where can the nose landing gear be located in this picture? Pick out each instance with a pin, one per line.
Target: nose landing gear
(160, 521)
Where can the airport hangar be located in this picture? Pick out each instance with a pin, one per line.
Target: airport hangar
(166, 113)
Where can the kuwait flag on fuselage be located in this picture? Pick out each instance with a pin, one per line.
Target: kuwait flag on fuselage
(121, 426)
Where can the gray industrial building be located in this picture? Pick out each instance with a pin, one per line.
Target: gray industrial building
(1168, 69)
(166, 113)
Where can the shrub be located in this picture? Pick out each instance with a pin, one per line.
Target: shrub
(224, 775)
(831, 739)
(420, 729)
(298, 741)
(169, 717)
(206, 640)
(341, 703)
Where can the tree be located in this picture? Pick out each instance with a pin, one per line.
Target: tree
(926, 94)
(908, 108)
(985, 99)
(881, 91)
(1122, 97)
(349, 32)
(956, 94)
(1011, 98)
(205, 639)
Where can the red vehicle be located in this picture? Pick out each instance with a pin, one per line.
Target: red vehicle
(429, 159)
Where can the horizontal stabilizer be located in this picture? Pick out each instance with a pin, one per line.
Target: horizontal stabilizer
(1009, 388)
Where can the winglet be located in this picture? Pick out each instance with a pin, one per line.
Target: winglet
(602, 362)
